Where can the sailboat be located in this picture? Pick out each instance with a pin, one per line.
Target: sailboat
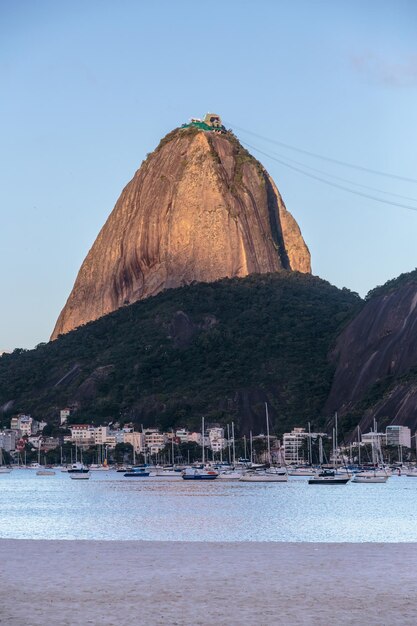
(266, 475)
(330, 476)
(376, 474)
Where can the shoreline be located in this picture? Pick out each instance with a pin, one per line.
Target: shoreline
(70, 582)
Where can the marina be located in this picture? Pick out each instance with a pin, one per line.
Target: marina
(111, 507)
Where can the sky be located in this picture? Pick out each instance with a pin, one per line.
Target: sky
(90, 87)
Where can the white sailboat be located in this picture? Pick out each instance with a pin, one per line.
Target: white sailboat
(330, 476)
(266, 475)
(376, 475)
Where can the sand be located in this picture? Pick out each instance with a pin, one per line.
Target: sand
(199, 584)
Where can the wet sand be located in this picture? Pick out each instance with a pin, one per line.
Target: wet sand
(201, 584)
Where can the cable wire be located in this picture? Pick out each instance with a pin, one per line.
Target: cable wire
(324, 158)
(327, 182)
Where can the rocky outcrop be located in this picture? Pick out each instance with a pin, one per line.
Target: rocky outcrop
(199, 208)
(375, 356)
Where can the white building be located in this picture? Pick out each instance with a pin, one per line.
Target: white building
(83, 434)
(64, 415)
(217, 442)
(154, 440)
(293, 443)
(182, 435)
(398, 436)
(101, 434)
(374, 439)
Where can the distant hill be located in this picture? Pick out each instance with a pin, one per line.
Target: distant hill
(215, 349)
(376, 359)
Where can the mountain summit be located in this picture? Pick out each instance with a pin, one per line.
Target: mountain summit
(199, 208)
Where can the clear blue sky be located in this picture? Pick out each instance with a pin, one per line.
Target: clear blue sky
(89, 87)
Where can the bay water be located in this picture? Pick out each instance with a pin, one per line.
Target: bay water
(112, 507)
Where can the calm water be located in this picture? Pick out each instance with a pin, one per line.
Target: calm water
(109, 506)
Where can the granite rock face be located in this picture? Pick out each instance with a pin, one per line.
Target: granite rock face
(379, 348)
(199, 208)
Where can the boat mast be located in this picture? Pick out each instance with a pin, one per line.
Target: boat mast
(251, 446)
(233, 443)
(267, 433)
(310, 452)
(202, 438)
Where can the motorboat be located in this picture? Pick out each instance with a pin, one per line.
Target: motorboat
(78, 471)
(328, 477)
(137, 472)
(199, 473)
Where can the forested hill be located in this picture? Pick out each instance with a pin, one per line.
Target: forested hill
(218, 350)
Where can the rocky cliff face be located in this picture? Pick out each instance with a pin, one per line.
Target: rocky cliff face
(199, 208)
(376, 361)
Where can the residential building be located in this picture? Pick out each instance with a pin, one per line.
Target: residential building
(217, 442)
(398, 436)
(64, 415)
(374, 439)
(135, 439)
(83, 434)
(101, 434)
(154, 440)
(293, 443)
(182, 435)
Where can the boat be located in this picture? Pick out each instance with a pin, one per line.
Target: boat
(45, 472)
(334, 476)
(198, 473)
(168, 472)
(370, 477)
(230, 474)
(302, 471)
(411, 472)
(270, 475)
(78, 471)
(95, 467)
(137, 472)
(328, 477)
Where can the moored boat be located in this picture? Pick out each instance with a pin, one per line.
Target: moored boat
(198, 473)
(328, 477)
(370, 477)
(137, 472)
(78, 471)
(45, 472)
(270, 475)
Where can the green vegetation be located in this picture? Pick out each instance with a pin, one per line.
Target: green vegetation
(393, 285)
(239, 343)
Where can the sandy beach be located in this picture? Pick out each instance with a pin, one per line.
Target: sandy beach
(176, 583)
